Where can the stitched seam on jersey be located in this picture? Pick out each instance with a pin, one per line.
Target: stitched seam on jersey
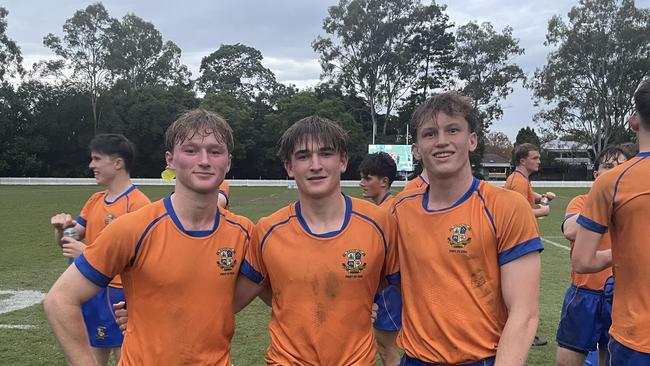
(618, 181)
(146, 231)
(376, 226)
(240, 226)
(404, 199)
(489, 215)
(273, 227)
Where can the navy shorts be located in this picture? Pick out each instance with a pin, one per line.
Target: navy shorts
(410, 361)
(389, 312)
(620, 355)
(103, 330)
(585, 319)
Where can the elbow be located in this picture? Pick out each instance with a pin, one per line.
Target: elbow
(579, 264)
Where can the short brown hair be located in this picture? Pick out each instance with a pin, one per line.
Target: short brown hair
(313, 129)
(450, 103)
(202, 122)
(642, 102)
(522, 151)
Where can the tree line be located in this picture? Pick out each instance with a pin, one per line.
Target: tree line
(379, 60)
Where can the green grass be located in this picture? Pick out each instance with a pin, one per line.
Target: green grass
(31, 261)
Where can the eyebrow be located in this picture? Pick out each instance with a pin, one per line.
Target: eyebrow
(322, 149)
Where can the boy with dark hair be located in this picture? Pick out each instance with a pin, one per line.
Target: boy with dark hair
(586, 312)
(112, 157)
(323, 257)
(526, 159)
(179, 253)
(378, 171)
(619, 203)
(469, 251)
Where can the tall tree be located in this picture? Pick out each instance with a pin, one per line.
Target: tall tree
(600, 55)
(83, 50)
(498, 143)
(486, 69)
(138, 55)
(236, 69)
(375, 48)
(527, 135)
(10, 56)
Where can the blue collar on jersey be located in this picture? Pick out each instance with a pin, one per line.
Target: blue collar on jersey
(346, 220)
(389, 193)
(522, 174)
(468, 194)
(120, 196)
(194, 233)
(643, 153)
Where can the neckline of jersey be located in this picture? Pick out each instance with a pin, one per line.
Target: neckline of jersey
(386, 195)
(120, 196)
(193, 233)
(522, 174)
(463, 198)
(331, 234)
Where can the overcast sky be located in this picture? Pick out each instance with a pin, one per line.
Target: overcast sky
(283, 31)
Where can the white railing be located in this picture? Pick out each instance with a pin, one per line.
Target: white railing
(11, 181)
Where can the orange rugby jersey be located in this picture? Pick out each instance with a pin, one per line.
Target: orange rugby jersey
(518, 182)
(98, 212)
(323, 285)
(619, 202)
(387, 201)
(179, 284)
(450, 259)
(594, 281)
(224, 189)
(416, 182)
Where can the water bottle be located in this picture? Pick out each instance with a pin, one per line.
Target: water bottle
(71, 233)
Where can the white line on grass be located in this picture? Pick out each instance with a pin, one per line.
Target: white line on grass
(17, 326)
(555, 244)
(19, 299)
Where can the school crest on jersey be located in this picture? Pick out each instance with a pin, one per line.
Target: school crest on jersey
(227, 259)
(110, 217)
(354, 263)
(459, 237)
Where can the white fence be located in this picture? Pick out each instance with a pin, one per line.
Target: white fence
(9, 181)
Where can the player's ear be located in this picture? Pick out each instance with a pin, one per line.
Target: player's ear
(415, 151)
(344, 162)
(169, 159)
(633, 121)
(384, 181)
(473, 141)
(288, 167)
(118, 163)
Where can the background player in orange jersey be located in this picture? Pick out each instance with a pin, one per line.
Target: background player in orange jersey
(468, 251)
(619, 203)
(112, 157)
(378, 171)
(175, 254)
(586, 312)
(323, 257)
(417, 182)
(526, 158)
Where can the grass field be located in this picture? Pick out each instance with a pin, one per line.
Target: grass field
(30, 260)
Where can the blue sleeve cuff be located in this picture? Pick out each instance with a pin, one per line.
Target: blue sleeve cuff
(520, 250)
(90, 272)
(247, 270)
(81, 221)
(393, 279)
(591, 225)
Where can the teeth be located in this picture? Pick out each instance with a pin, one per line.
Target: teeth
(442, 155)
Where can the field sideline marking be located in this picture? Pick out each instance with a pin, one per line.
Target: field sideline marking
(556, 244)
(17, 326)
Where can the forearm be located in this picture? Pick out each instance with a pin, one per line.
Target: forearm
(67, 323)
(540, 212)
(516, 338)
(593, 263)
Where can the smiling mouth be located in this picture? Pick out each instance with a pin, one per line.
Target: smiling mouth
(316, 178)
(443, 154)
